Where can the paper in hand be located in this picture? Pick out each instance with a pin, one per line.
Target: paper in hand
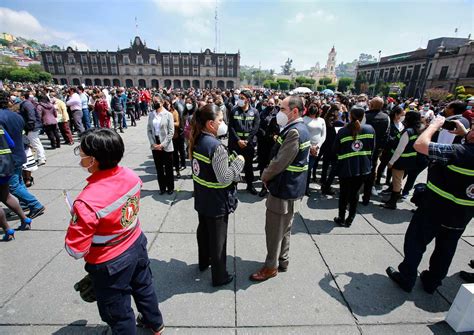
(68, 201)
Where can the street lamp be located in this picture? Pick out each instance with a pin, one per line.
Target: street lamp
(376, 74)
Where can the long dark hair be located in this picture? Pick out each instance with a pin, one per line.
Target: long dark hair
(206, 113)
(357, 114)
(413, 120)
(397, 110)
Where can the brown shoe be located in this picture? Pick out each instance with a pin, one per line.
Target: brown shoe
(264, 274)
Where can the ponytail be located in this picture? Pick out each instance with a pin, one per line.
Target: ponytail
(196, 130)
(355, 128)
(357, 114)
(206, 113)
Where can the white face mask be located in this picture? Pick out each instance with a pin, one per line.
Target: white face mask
(222, 130)
(189, 106)
(281, 119)
(402, 118)
(240, 103)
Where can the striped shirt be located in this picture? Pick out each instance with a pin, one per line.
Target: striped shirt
(441, 152)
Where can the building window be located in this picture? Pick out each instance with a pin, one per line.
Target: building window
(94, 60)
(195, 71)
(73, 70)
(85, 70)
(114, 70)
(84, 59)
(195, 60)
(103, 60)
(470, 71)
(220, 72)
(185, 61)
(127, 70)
(230, 62)
(60, 69)
(176, 71)
(166, 71)
(208, 73)
(153, 71)
(95, 70)
(175, 60)
(104, 69)
(166, 60)
(113, 59)
(207, 61)
(230, 72)
(444, 72)
(49, 59)
(59, 59)
(185, 71)
(139, 59)
(71, 59)
(126, 59)
(220, 61)
(152, 59)
(140, 71)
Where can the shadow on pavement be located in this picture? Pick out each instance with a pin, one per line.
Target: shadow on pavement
(442, 328)
(80, 327)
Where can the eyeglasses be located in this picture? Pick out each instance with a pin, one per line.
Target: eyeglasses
(77, 150)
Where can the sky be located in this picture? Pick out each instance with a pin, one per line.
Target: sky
(265, 32)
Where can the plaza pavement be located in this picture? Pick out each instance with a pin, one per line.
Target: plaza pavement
(336, 283)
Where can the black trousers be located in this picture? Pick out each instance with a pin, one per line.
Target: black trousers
(328, 172)
(52, 132)
(131, 114)
(117, 280)
(427, 224)
(248, 152)
(212, 245)
(384, 159)
(164, 169)
(349, 194)
(369, 183)
(179, 153)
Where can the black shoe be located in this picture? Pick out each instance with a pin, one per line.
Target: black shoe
(397, 278)
(36, 212)
(282, 268)
(203, 267)
(327, 191)
(162, 192)
(425, 281)
(121, 130)
(170, 191)
(468, 277)
(225, 282)
(263, 192)
(141, 323)
(178, 175)
(471, 263)
(349, 221)
(365, 202)
(339, 221)
(307, 193)
(252, 190)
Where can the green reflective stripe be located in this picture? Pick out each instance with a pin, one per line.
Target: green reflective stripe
(236, 117)
(2, 132)
(242, 134)
(461, 170)
(305, 145)
(232, 157)
(294, 168)
(202, 158)
(209, 184)
(279, 140)
(414, 137)
(410, 154)
(5, 151)
(352, 154)
(245, 118)
(449, 196)
(358, 137)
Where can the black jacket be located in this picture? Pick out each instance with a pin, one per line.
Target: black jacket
(380, 121)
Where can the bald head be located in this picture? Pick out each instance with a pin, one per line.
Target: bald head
(376, 103)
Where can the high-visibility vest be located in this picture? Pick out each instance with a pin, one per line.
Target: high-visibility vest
(408, 159)
(291, 183)
(7, 164)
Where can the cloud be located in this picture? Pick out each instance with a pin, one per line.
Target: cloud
(187, 8)
(318, 14)
(22, 23)
(201, 28)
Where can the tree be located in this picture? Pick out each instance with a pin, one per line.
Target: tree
(284, 84)
(286, 68)
(21, 75)
(274, 85)
(324, 81)
(35, 68)
(331, 86)
(459, 91)
(44, 76)
(360, 81)
(366, 59)
(437, 94)
(321, 88)
(344, 84)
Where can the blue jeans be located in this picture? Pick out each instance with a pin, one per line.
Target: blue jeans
(86, 118)
(19, 190)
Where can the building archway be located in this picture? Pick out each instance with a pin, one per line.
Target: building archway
(106, 82)
(129, 83)
(155, 83)
(97, 82)
(167, 83)
(55, 81)
(141, 83)
(63, 81)
(230, 84)
(208, 84)
(196, 84)
(221, 84)
(116, 82)
(76, 81)
(88, 82)
(176, 83)
(186, 84)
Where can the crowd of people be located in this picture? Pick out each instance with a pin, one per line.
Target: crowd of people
(363, 142)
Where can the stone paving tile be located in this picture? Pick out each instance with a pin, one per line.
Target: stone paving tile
(440, 328)
(301, 330)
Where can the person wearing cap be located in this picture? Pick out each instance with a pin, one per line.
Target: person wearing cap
(244, 122)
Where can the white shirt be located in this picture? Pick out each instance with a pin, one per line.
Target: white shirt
(157, 122)
(317, 130)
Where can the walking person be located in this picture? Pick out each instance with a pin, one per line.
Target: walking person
(354, 147)
(130, 109)
(86, 114)
(75, 105)
(48, 115)
(105, 231)
(62, 118)
(215, 193)
(103, 111)
(285, 179)
(160, 131)
(33, 125)
(117, 110)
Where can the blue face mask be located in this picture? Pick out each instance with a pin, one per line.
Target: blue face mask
(468, 108)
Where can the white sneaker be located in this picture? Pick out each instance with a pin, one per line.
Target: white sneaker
(375, 193)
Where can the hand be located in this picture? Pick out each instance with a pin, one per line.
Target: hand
(158, 147)
(437, 122)
(241, 158)
(313, 151)
(460, 129)
(241, 144)
(389, 166)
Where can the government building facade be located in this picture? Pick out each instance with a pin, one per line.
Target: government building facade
(139, 66)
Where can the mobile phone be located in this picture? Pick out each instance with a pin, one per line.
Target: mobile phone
(449, 125)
